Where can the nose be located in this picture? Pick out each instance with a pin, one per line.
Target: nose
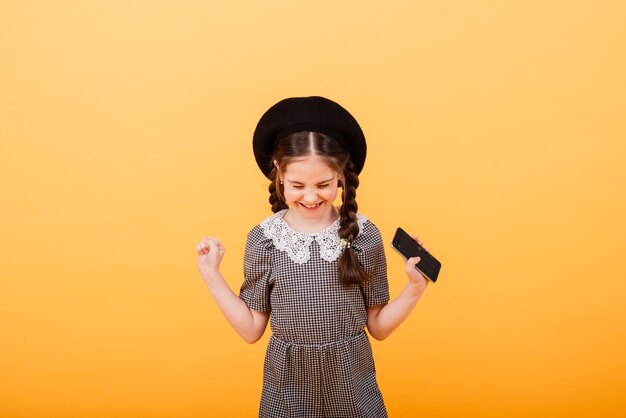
(310, 196)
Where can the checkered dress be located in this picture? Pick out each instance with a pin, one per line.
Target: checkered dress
(319, 360)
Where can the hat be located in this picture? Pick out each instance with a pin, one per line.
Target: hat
(315, 114)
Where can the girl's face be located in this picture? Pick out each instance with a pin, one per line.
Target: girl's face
(310, 187)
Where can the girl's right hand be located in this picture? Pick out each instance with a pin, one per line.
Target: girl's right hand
(210, 252)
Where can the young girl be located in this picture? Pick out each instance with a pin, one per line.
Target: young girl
(318, 273)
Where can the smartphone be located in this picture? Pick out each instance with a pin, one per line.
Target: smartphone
(428, 265)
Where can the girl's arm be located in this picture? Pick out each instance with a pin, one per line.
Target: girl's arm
(382, 320)
(248, 323)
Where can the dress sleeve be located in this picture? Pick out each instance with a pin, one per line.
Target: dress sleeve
(370, 252)
(257, 266)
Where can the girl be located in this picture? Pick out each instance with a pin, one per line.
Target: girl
(318, 273)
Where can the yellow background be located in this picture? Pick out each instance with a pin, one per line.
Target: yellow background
(496, 132)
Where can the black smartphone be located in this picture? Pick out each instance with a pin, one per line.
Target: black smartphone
(428, 265)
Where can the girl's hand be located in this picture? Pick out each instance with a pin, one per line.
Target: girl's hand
(210, 252)
(415, 277)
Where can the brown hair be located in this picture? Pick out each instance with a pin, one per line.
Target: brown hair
(337, 157)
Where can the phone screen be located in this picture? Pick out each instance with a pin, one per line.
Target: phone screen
(428, 265)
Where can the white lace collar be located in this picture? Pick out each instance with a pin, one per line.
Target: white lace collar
(296, 244)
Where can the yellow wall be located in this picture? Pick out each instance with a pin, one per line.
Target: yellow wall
(496, 132)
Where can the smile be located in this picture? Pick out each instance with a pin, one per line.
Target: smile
(311, 206)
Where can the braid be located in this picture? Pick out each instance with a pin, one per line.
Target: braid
(350, 272)
(275, 199)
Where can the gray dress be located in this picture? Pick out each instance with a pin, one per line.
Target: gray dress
(319, 360)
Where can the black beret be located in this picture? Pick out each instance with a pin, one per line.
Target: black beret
(315, 114)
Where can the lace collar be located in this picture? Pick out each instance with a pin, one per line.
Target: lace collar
(296, 244)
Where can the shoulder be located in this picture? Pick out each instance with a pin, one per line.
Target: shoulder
(258, 251)
(370, 249)
(369, 234)
(367, 226)
(260, 234)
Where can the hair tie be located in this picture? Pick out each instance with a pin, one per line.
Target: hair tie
(346, 243)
